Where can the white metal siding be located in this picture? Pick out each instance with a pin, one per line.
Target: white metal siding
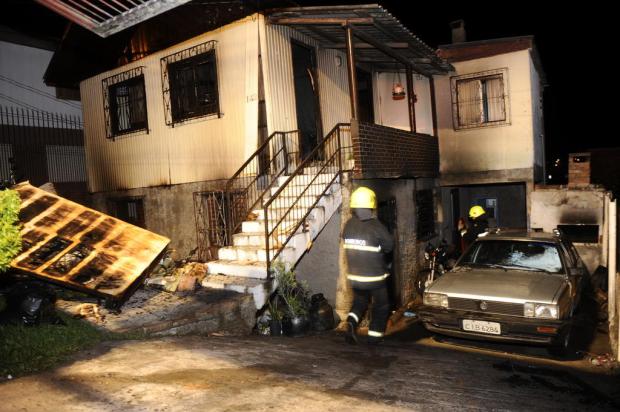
(201, 149)
(395, 113)
(279, 84)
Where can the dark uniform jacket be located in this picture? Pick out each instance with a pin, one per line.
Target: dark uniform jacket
(365, 242)
(476, 227)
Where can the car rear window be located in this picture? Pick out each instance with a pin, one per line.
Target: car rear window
(529, 255)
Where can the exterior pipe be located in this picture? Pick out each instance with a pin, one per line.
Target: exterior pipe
(611, 288)
(351, 69)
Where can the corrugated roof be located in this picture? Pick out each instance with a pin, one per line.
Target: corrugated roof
(371, 20)
(74, 246)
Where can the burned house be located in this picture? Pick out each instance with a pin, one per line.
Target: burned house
(246, 138)
(491, 135)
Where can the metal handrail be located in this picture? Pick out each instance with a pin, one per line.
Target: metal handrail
(248, 186)
(327, 155)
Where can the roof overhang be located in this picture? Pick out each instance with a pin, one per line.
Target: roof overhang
(106, 17)
(382, 41)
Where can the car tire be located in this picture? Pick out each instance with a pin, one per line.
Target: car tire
(564, 347)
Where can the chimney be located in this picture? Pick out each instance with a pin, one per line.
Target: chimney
(578, 169)
(458, 31)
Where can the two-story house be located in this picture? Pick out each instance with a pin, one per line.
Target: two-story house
(248, 137)
(491, 135)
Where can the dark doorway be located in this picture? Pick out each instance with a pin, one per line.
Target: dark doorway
(455, 205)
(306, 98)
(386, 213)
(365, 99)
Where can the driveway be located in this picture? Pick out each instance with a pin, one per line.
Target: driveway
(320, 372)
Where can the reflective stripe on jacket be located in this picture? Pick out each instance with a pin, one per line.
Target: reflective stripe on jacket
(364, 243)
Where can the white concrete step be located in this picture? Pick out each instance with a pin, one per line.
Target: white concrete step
(312, 170)
(296, 202)
(258, 226)
(247, 253)
(275, 212)
(260, 289)
(304, 180)
(241, 268)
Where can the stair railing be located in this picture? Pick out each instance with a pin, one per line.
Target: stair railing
(287, 210)
(254, 179)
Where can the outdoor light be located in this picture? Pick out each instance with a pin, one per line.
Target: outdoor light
(436, 299)
(540, 310)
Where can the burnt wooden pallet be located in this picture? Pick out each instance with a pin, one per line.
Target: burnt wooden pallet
(74, 246)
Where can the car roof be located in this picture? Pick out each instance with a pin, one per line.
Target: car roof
(520, 234)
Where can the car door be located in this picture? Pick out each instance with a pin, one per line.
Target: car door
(577, 270)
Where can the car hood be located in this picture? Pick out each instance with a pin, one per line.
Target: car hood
(508, 286)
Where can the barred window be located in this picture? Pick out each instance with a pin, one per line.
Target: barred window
(125, 103)
(128, 106)
(479, 99)
(193, 87)
(425, 214)
(128, 209)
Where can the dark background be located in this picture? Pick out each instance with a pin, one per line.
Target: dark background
(577, 45)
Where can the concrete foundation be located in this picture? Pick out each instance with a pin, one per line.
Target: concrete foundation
(168, 210)
(157, 313)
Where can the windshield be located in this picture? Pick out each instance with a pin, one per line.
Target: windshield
(528, 255)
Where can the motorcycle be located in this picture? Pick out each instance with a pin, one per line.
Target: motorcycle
(440, 259)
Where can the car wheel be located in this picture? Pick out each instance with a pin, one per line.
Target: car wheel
(565, 347)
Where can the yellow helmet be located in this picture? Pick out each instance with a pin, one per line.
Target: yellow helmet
(476, 211)
(363, 198)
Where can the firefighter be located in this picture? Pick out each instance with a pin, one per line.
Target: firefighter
(365, 241)
(478, 224)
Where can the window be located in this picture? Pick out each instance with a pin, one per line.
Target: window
(129, 209)
(425, 214)
(193, 88)
(489, 205)
(479, 99)
(125, 103)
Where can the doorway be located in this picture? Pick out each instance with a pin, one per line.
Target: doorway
(306, 98)
(365, 100)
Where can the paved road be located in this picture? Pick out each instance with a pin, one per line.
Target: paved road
(318, 373)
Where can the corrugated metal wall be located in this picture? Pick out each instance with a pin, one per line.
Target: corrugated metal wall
(279, 86)
(202, 149)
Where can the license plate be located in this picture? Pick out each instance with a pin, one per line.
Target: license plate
(492, 328)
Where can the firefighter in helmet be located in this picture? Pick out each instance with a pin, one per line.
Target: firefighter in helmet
(478, 224)
(365, 241)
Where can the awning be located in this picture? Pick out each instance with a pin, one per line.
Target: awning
(80, 248)
(371, 21)
(106, 17)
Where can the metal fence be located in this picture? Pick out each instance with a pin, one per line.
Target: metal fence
(40, 147)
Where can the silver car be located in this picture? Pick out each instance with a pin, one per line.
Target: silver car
(511, 287)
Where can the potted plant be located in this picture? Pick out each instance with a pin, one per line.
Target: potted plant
(276, 314)
(294, 295)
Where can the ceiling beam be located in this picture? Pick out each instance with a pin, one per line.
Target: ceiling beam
(320, 21)
(368, 39)
(367, 46)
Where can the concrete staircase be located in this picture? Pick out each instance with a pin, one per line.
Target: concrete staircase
(242, 267)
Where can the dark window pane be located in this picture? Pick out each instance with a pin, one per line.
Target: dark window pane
(193, 87)
(128, 106)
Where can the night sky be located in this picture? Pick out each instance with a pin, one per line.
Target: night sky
(576, 45)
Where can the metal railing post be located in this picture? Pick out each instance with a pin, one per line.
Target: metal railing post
(267, 254)
(339, 149)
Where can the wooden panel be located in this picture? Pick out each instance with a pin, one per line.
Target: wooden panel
(74, 246)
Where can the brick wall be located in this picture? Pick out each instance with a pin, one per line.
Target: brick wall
(385, 152)
(578, 169)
